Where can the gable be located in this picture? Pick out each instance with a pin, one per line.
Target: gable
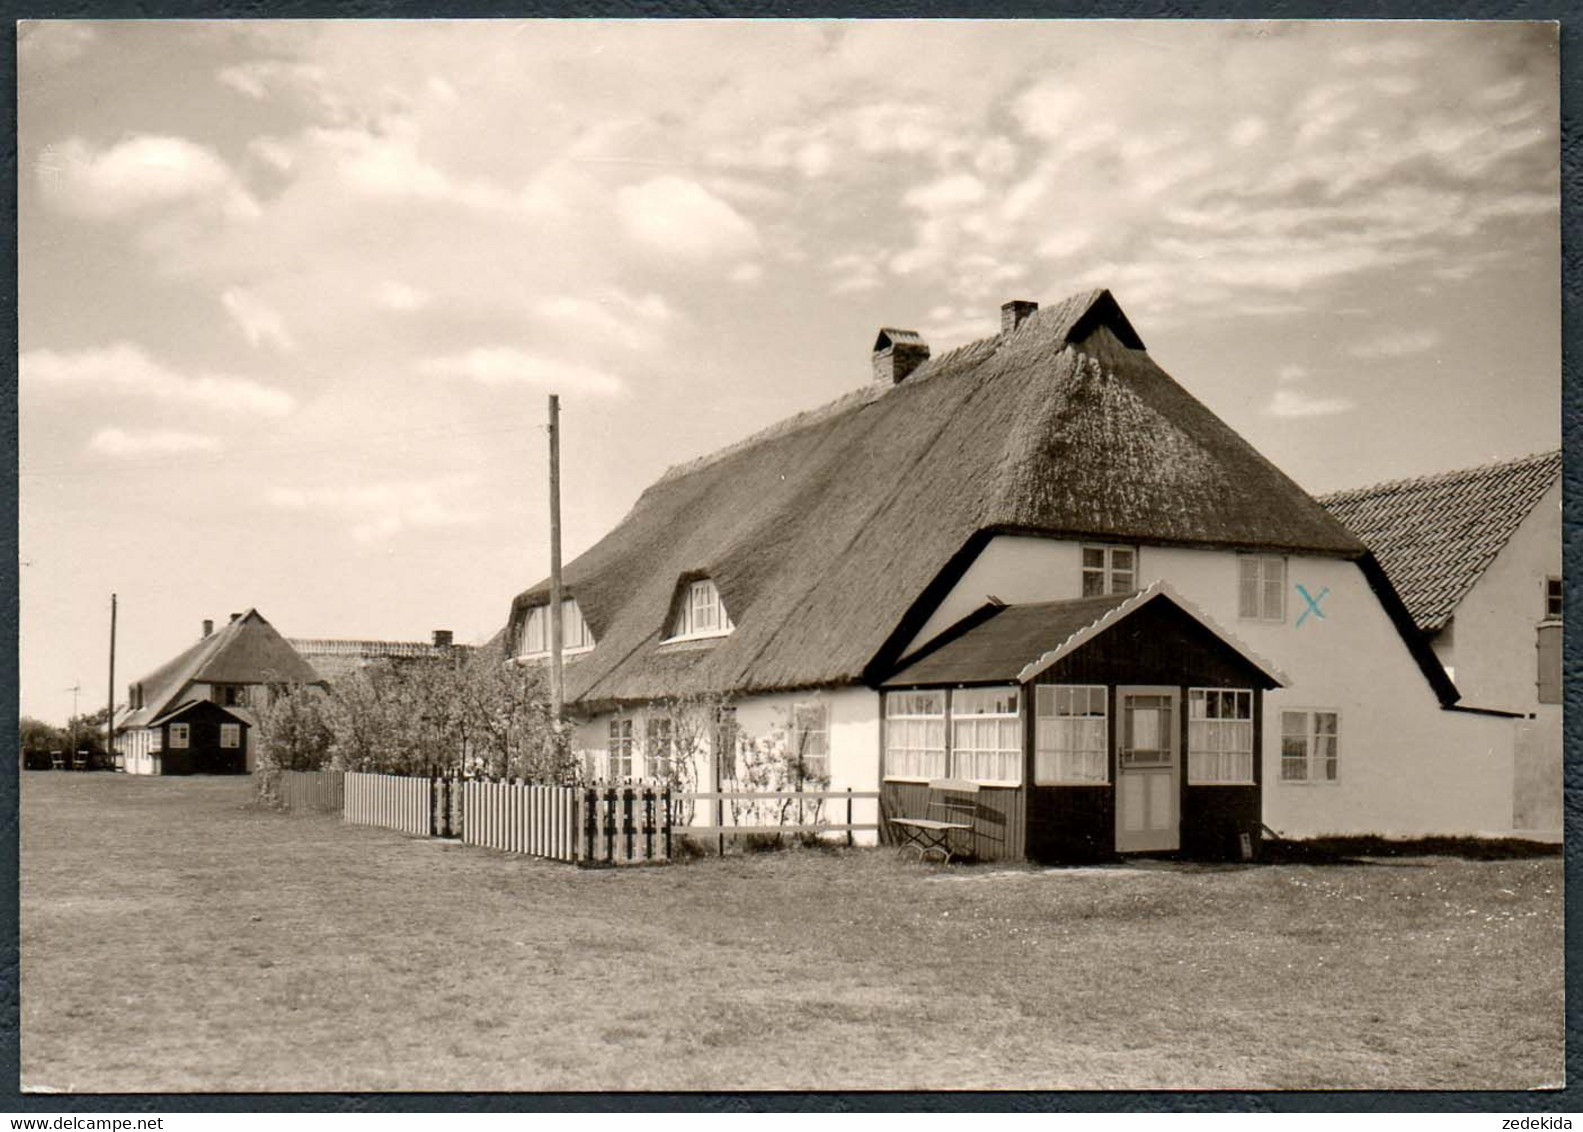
(822, 532)
(248, 650)
(1434, 536)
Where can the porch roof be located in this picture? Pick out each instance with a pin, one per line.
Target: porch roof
(1011, 644)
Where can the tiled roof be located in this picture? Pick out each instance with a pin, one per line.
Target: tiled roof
(1436, 535)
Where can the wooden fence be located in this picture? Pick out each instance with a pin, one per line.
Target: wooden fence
(785, 799)
(312, 791)
(520, 818)
(391, 802)
(624, 824)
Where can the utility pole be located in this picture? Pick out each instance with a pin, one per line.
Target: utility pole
(557, 684)
(109, 715)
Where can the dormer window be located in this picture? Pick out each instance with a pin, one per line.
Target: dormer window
(701, 613)
(575, 636)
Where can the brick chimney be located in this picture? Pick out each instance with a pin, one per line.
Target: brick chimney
(208, 626)
(442, 638)
(896, 354)
(1015, 313)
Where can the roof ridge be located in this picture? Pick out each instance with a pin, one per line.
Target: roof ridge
(1079, 301)
(1364, 491)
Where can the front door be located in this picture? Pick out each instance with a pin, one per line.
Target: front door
(1148, 769)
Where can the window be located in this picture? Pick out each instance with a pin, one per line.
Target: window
(1071, 736)
(178, 736)
(657, 747)
(810, 741)
(986, 734)
(1554, 599)
(1109, 570)
(231, 695)
(1219, 736)
(725, 744)
(620, 751)
(915, 735)
(575, 636)
(1549, 646)
(1261, 589)
(1309, 746)
(230, 736)
(702, 613)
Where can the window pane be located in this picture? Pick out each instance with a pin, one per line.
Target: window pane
(1093, 583)
(1248, 597)
(1274, 592)
(1093, 558)
(1294, 723)
(1121, 559)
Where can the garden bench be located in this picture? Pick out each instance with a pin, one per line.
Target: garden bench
(953, 808)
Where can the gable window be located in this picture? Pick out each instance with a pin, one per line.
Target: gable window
(1071, 735)
(1554, 599)
(1310, 742)
(986, 734)
(1219, 736)
(1261, 587)
(810, 741)
(230, 736)
(620, 750)
(1109, 570)
(179, 736)
(915, 735)
(231, 695)
(701, 613)
(658, 746)
(575, 635)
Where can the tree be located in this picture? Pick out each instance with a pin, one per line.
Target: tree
(36, 735)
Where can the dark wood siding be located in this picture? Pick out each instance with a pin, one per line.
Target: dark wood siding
(1157, 645)
(203, 754)
(998, 827)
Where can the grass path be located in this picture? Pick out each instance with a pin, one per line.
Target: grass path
(174, 938)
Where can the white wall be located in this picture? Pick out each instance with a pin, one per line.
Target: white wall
(1406, 765)
(853, 719)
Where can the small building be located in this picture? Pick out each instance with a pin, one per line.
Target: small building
(1476, 556)
(1032, 690)
(198, 712)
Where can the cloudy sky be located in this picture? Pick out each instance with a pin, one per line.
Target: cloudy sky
(292, 295)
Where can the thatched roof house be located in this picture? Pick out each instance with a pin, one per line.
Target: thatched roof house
(826, 533)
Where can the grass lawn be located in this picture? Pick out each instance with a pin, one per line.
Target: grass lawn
(175, 938)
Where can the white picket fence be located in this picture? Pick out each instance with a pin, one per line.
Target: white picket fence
(390, 802)
(538, 820)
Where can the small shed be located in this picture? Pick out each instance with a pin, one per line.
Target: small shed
(201, 737)
(1096, 726)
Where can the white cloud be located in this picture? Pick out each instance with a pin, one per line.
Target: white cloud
(497, 366)
(158, 442)
(143, 172)
(997, 157)
(381, 509)
(277, 154)
(947, 193)
(1398, 344)
(126, 369)
(260, 323)
(1248, 131)
(401, 297)
(679, 217)
(1290, 373)
(613, 316)
(1293, 403)
(746, 273)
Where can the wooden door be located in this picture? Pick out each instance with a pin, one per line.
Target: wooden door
(1148, 770)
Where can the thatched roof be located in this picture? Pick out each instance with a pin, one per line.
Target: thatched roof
(248, 650)
(823, 532)
(1436, 535)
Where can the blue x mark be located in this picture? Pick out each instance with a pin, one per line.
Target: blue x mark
(1313, 601)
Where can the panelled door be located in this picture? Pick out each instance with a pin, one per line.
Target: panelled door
(1148, 770)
